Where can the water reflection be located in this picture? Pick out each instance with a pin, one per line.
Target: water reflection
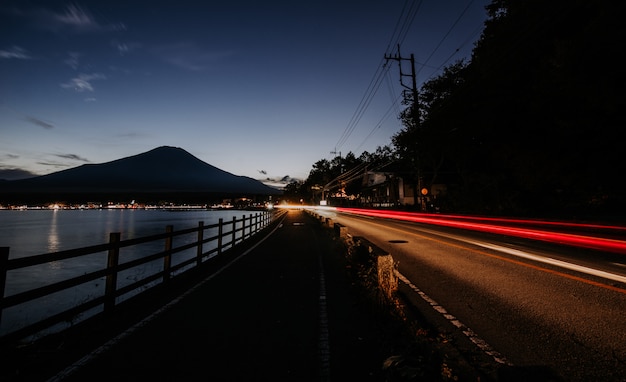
(36, 232)
(53, 233)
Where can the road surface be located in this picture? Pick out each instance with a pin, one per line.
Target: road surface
(548, 310)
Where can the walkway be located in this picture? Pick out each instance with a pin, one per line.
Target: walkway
(282, 312)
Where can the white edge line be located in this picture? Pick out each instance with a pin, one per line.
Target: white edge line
(548, 260)
(469, 333)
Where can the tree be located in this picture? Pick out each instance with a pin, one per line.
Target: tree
(551, 85)
(530, 125)
(427, 147)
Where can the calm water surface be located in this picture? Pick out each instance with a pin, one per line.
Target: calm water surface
(34, 232)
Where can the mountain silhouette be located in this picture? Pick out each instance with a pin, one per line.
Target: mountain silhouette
(163, 170)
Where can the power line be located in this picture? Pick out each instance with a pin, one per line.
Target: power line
(409, 20)
(447, 34)
(401, 29)
(348, 174)
(363, 105)
(392, 107)
(470, 38)
(403, 24)
(353, 174)
(409, 14)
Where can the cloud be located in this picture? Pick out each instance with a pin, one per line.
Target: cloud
(83, 82)
(189, 56)
(39, 122)
(124, 48)
(71, 18)
(77, 17)
(133, 134)
(15, 173)
(63, 163)
(11, 172)
(53, 164)
(72, 60)
(80, 19)
(15, 53)
(72, 157)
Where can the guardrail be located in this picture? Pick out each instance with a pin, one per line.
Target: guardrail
(229, 234)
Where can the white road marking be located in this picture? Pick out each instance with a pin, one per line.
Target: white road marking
(469, 333)
(324, 338)
(548, 260)
(323, 344)
(538, 258)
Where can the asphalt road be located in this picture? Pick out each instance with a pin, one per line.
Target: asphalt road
(530, 316)
(283, 311)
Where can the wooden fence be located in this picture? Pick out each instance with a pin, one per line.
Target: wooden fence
(229, 234)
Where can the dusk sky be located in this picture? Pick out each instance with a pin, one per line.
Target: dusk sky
(261, 89)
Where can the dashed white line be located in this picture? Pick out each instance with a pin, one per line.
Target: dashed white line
(324, 337)
(469, 333)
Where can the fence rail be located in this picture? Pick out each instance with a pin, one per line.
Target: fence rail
(229, 234)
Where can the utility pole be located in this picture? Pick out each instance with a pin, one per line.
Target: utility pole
(413, 87)
(335, 152)
(340, 164)
(418, 197)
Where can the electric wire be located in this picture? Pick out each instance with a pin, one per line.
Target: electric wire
(391, 108)
(363, 105)
(400, 32)
(395, 29)
(393, 97)
(445, 36)
(355, 173)
(470, 38)
(346, 174)
(406, 24)
(401, 29)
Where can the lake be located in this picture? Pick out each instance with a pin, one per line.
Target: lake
(34, 232)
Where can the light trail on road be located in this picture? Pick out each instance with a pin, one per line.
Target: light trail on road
(455, 221)
(555, 310)
(559, 263)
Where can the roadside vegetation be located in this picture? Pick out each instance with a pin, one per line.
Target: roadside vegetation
(529, 125)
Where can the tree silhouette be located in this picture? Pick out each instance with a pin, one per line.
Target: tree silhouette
(531, 124)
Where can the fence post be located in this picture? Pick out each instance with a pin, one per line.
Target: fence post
(220, 231)
(200, 238)
(234, 231)
(111, 279)
(167, 259)
(243, 228)
(251, 227)
(4, 259)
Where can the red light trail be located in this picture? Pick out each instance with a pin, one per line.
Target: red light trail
(470, 223)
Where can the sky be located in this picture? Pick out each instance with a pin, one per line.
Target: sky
(259, 89)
